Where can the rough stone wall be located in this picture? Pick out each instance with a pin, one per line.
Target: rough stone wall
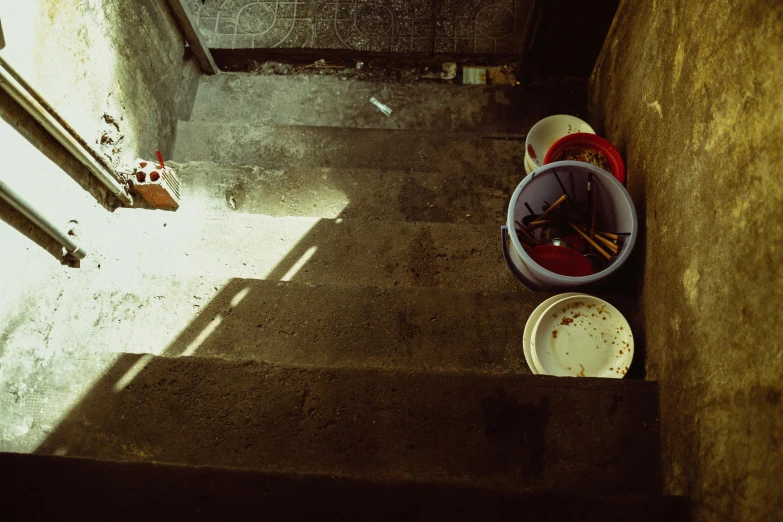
(90, 58)
(124, 58)
(692, 95)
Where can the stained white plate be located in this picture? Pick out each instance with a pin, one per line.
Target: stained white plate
(582, 336)
(531, 323)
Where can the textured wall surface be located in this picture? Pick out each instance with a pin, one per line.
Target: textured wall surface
(89, 58)
(692, 95)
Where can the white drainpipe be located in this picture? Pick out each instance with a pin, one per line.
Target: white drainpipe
(19, 203)
(34, 104)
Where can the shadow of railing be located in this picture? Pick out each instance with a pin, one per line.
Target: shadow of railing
(284, 316)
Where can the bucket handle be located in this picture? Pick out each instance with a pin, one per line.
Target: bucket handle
(511, 266)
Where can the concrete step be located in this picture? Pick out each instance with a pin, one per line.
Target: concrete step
(331, 102)
(284, 147)
(357, 194)
(507, 432)
(85, 489)
(304, 249)
(290, 323)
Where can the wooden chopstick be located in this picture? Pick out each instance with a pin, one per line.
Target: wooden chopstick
(589, 240)
(556, 204)
(611, 246)
(528, 237)
(602, 236)
(525, 233)
(541, 222)
(598, 235)
(565, 192)
(609, 235)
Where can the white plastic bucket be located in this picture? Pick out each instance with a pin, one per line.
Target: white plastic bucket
(615, 212)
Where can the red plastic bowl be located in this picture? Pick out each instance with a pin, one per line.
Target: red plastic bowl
(587, 141)
(561, 260)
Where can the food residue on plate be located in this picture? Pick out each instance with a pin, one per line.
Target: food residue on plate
(586, 155)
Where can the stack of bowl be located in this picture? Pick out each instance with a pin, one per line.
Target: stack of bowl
(578, 335)
(545, 133)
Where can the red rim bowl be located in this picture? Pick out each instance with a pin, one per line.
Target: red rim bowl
(591, 141)
(561, 260)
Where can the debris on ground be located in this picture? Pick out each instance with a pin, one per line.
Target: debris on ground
(320, 64)
(157, 183)
(381, 106)
(376, 70)
(502, 75)
(449, 71)
(474, 75)
(283, 69)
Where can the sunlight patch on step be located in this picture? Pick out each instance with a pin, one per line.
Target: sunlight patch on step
(154, 303)
(134, 370)
(299, 264)
(203, 336)
(188, 243)
(165, 298)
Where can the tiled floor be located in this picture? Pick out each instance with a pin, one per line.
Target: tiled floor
(459, 26)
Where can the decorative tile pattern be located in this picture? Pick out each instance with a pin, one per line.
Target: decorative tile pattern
(459, 26)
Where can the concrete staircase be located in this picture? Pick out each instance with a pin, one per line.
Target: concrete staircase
(328, 316)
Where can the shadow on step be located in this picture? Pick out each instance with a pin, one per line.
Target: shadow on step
(507, 432)
(348, 326)
(81, 489)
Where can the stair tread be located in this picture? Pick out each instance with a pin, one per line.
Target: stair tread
(364, 194)
(499, 431)
(328, 101)
(287, 146)
(87, 489)
(292, 323)
(340, 251)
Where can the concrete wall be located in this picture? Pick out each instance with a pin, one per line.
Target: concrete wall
(125, 59)
(692, 95)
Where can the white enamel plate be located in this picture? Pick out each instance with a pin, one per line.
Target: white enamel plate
(582, 336)
(531, 324)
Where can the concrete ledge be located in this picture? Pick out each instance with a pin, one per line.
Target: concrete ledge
(57, 488)
(507, 432)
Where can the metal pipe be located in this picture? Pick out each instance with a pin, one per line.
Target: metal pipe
(34, 104)
(22, 205)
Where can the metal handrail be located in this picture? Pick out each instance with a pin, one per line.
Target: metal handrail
(44, 114)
